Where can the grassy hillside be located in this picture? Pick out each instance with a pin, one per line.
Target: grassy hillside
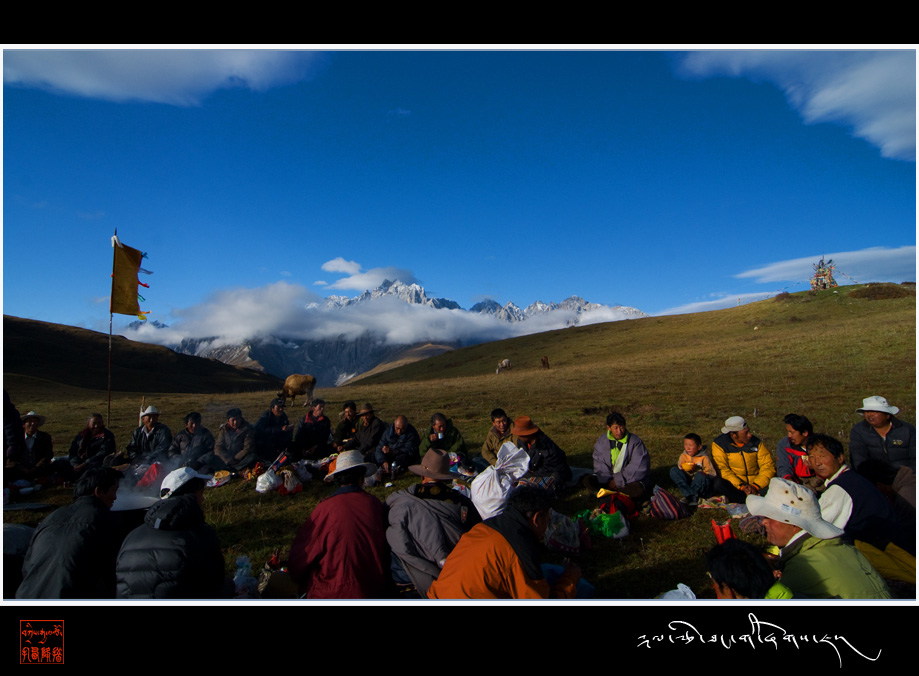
(77, 357)
(813, 354)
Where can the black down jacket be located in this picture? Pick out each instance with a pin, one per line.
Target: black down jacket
(72, 554)
(174, 555)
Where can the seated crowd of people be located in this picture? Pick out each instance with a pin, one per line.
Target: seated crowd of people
(838, 529)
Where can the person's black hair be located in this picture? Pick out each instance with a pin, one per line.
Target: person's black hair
(194, 415)
(831, 444)
(615, 417)
(316, 402)
(498, 413)
(234, 413)
(353, 476)
(438, 416)
(529, 499)
(349, 404)
(692, 436)
(102, 478)
(799, 423)
(740, 566)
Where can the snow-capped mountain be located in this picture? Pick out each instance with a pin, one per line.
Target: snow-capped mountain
(334, 359)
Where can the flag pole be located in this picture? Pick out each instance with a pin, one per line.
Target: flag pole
(108, 418)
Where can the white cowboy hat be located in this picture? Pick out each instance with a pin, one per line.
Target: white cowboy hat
(877, 404)
(793, 503)
(150, 410)
(350, 460)
(33, 414)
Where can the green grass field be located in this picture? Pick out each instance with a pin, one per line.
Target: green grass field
(813, 354)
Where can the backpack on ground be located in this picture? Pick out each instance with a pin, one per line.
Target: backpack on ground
(665, 506)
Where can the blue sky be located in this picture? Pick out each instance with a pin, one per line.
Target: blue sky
(258, 181)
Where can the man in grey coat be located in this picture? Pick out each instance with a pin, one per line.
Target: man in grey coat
(425, 523)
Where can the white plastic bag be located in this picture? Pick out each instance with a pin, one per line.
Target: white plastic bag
(267, 482)
(491, 487)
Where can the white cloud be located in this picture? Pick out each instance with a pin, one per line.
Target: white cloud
(358, 280)
(874, 92)
(876, 264)
(722, 301)
(181, 77)
(341, 265)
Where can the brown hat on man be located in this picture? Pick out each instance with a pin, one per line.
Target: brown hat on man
(524, 427)
(434, 465)
(366, 408)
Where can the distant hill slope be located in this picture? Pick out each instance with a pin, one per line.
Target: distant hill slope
(409, 356)
(867, 327)
(79, 358)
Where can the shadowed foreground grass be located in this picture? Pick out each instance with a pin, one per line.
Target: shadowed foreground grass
(813, 354)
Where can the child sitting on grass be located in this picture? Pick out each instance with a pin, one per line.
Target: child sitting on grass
(694, 472)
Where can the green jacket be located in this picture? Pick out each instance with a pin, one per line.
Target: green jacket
(452, 442)
(828, 569)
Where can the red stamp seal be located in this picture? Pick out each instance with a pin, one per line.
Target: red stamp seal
(41, 642)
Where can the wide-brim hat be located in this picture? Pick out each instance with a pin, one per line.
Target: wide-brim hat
(178, 478)
(877, 404)
(150, 410)
(793, 503)
(349, 460)
(434, 465)
(366, 408)
(33, 414)
(733, 424)
(524, 426)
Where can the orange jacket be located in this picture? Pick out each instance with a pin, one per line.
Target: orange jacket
(483, 565)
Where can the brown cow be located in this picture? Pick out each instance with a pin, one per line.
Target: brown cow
(545, 362)
(298, 383)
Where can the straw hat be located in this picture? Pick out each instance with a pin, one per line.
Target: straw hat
(793, 503)
(434, 465)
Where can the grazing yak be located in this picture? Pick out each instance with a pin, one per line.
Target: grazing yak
(545, 362)
(503, 364)
(298, 383)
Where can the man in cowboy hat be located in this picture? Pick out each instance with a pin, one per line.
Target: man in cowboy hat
(546, 458)
(339, 551)
(881, 444)
(744, 463)
(425, 522)
(150, 442)
(35, 457)
(368, 432)
(814, 562)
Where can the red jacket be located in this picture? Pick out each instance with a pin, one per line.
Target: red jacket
(339, 551)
